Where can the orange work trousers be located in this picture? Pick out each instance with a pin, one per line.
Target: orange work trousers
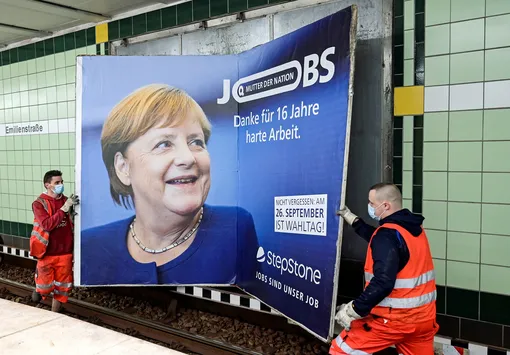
(370, 335)
(54, 274)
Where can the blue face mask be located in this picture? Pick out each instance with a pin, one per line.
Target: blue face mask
(59, 189)
(371, 212)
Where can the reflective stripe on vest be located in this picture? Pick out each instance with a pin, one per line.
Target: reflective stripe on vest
(39, 236)
(408, 283)
(405, 303)
(347, 349)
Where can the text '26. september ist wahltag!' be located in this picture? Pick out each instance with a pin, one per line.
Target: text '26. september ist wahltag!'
(282, 113)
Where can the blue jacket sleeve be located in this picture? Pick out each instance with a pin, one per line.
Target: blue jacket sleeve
(364, 230)
(385, 253)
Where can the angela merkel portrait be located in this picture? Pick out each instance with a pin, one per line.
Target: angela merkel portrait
(154, 147)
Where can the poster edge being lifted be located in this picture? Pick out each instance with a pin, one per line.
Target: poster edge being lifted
(352, 50)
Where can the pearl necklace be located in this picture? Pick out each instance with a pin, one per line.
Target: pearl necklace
(171, 246)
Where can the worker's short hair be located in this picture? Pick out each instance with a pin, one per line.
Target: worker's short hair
(50, 175)
(387, 191)
(151, 106)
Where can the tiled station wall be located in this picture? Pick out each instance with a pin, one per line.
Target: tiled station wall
(451, 153)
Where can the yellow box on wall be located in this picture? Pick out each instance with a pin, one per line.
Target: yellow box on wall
(408, 101)
(102, 33)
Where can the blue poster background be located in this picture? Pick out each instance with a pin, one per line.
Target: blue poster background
(310, 165)
(247, 174)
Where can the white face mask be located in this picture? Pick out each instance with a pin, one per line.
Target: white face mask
(371, 212)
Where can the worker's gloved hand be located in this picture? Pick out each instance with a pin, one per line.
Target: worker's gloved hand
(339, 308)
(347, 215)
(71, 201)
(346, 314)
(349, 309)
(75, 198)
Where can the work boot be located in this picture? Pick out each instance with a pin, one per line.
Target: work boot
(55, 306)
(36, 297)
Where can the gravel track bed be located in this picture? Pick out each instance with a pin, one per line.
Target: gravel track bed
(226, 329)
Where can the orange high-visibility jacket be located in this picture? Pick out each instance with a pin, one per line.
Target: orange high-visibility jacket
(413, 298)
(40, 238)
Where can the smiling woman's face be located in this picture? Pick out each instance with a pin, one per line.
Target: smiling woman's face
(168, 168)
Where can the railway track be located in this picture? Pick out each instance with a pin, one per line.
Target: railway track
(146, 328)
(249, 331)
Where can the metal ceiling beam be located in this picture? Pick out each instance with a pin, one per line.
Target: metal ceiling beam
(22, 30)
(56, 9)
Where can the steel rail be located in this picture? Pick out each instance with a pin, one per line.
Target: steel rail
(147, 328)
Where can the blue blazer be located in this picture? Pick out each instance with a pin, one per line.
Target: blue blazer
(212, 258)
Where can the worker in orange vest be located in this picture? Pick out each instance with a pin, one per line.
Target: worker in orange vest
(51, 241)
(398, 304)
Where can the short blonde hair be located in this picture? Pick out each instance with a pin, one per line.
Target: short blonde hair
(155, 105)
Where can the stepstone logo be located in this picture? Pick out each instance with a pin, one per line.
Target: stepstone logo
(261, 255)
(289, 265)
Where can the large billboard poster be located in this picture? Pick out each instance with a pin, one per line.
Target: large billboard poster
(219, 170)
